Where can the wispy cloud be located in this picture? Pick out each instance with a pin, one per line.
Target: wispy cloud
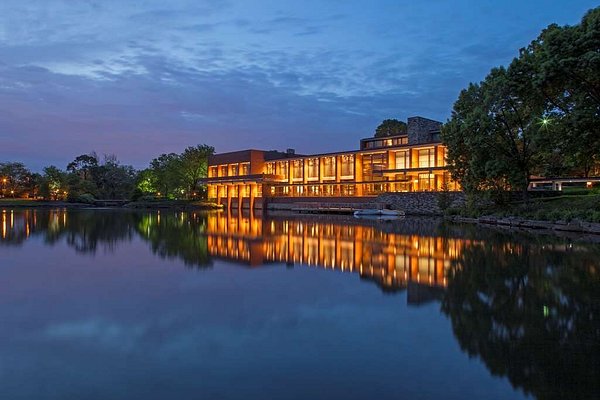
(141, 79)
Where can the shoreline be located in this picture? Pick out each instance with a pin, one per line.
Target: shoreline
(517, 223)
(117, 205)
(574, 226)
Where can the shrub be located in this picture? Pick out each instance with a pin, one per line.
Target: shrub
(85, 198)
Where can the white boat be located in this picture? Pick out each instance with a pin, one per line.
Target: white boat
(373, 212)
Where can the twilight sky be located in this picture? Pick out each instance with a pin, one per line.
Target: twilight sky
(140, 78)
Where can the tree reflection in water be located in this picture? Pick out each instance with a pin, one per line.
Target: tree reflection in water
(530, 309)
(527, 305)
(176, 235)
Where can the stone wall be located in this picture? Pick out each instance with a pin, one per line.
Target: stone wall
(420, 203)
(420, 129)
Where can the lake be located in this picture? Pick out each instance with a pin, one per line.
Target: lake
(110, 304)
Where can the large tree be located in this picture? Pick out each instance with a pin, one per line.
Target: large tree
(194, 166)
(541, 115)
(390, 127)
(563, 64)
(16, 179)
(492, 133)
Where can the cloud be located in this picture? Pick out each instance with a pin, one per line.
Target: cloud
(117, 77)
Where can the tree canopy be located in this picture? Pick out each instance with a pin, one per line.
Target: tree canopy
(390, 127)
(538, 116)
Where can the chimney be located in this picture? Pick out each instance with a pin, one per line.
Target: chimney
(290, 152)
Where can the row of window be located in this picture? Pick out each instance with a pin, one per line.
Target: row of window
(230, 170)
(373, 165)
(375, 144)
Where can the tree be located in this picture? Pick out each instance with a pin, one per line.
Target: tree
(113, 180)
(563, 64)
(53, 184)
(390, 127)
(194, 166)
(177, 175)
(16, 179)
(84, 165)
(166, 174)
(541, 115)
(491, 134)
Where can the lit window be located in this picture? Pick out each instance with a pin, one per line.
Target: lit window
(426, 158)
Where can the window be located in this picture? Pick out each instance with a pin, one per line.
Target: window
(245, 169)
(329, 167)
(426, 158)
(312, 168)
(441, 156)
(347, 190)
(401, 140)
(402, 160)
(234, 170)
(373, 165)
(270, 168)
(297, 170)
(347, 166)
(426, 182)
(282, 169)
(224, 170)
(213, 171)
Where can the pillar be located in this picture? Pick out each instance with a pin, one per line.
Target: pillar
(358, 174)
(228, 188)
(252, 196)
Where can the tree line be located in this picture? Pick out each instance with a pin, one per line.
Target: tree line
(538, 116)
(89, 177)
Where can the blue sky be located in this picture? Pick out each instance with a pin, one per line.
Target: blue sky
(140, 78)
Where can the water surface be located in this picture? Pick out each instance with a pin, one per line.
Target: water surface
(101, 304)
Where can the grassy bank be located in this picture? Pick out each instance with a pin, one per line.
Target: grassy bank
(569, 207)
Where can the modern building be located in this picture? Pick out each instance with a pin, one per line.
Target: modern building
(415, 161)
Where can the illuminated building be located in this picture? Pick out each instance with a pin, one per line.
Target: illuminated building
(413, 162)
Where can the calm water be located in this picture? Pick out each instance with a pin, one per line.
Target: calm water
(118, 305)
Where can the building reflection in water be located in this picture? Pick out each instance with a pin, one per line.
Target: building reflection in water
(393, 260)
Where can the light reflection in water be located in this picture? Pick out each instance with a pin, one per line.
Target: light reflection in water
(526, 305)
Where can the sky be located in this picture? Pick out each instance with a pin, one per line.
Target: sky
(140, 78)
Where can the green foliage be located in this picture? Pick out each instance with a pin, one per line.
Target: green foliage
(444, 198)
(176, 176)
(85, 198)
(491, 134)
(107, 180)
(390, 127)
(16, 180)
(541, 115)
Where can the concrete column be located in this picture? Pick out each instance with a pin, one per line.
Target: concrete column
(358, 174)
(218, 193)
(252, 195)
(240, 193)
(304, 171)
(228, 188)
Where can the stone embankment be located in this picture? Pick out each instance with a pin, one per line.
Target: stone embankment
(421, 203)
(513, 222)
